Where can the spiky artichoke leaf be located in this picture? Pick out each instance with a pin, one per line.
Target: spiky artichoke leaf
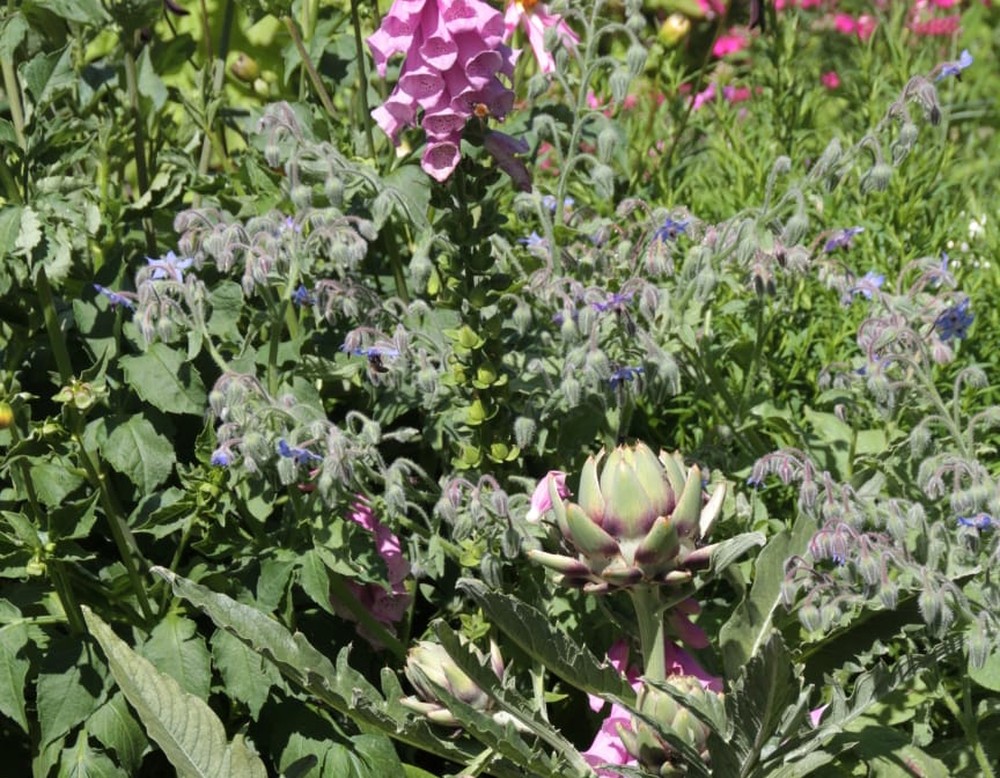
(590, 498)
(589, 538)
(627, 511)
(688, 508)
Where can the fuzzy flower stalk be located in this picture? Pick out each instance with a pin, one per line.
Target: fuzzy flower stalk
(453, 57)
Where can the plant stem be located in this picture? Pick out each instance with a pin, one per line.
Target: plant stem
(363, 79)
(14, 101)
(127, 547)
(967, 721)
(317, 82)
(138, 137)
(652, 635)
(218, 77)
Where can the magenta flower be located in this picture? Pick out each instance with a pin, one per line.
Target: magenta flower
(453, 54)
(730, 43)
(540, 499)
(385, 606)
(535, 18)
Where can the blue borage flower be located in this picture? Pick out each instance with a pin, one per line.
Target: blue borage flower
(302, 296)
(624, 374)
(670, 230)
(533, 241)
(115, 298)
(981, 521)
(169, 266)
(301, 456)
(955, 68)
(955, 322)
(222, 457)
(371, 352)
(870, 283)
(841, 239)
(614, 302)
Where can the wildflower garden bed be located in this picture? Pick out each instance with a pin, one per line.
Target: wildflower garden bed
(465, 387)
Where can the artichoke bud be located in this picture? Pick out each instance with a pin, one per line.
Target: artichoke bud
(647, 745)
(636, 521)
(428, 666)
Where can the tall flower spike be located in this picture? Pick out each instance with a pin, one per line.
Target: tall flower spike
(453, 54)
(535, 18)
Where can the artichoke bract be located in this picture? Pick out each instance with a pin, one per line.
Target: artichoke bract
(638, 520)
(428, 665)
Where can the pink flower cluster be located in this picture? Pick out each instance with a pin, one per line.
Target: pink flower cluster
(387, 607)
(535, 18)
(454, 53)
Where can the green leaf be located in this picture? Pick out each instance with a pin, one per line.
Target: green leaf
(81, 761)
(150, 84)
(759, 698)
(247, 675)
(137, 450)
(534, 633)
(115, 728)
(13, 672)
(340, 687)
(377, 756)
(83, 11)
(189, 733)
(13, 30)
(45, 76)
(54, 481)
(175, 648)
(226, 300)
(745, 631)
(30, 233)
(70, 686)
(315, 579)
(165, 380)
(728, 551)
(987, 676)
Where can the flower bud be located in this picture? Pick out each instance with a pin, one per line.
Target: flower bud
(244, 67)
(674, 29)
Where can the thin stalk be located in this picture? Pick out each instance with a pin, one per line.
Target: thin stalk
(218, 77)
(317, 82)
(138, 137)
(14, 100)
(127, 547)
(362, 78)
(967, 721)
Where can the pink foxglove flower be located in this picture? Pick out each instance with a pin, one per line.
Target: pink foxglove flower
(535, 18)
(730, 43)
(385, 606)
(541, 502)
(453, 57)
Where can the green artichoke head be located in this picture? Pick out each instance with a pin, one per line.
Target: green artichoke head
(638, 519)
(428, 666)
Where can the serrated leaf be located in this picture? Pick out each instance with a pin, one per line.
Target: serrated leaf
(149, 83)
(13, 672)
(315, 579)
(189, 733)
(29, 233)
(728, 551)
(164, 379)
(69, 688)
(758, 699)
(534, 633)
(743, 634)
(83, 11)
(175, 648)
(338, 686)
(115, 728)
(137, 450)
(247, 675)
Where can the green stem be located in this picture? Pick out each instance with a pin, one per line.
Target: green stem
(362, 78)
(138, 137)
(317, 82)
(218, 79)
(127, 547)
(967, 721)
(652, 634)
(14, 101)
(397, 270)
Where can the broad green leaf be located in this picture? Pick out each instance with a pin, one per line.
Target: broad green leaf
(165, 380)
(115, 728)
(13, 672)
(339, 686)
(175, 648)
(136, 449)
(534, 633)
(227, 304)
(189, 733)
(747, 629)
(728, 551)
(988, 676)
(30, 233)
(81, 761)
(247, 675)
(150, 84)
(70, 687)
(377, 756)
(54, 481)
(315, 579)
(45, 76)
(13, 30)
(89, 12)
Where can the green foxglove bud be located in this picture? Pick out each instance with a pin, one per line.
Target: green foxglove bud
(637, 520)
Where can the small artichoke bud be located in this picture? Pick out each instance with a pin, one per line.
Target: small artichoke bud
(428, 666)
